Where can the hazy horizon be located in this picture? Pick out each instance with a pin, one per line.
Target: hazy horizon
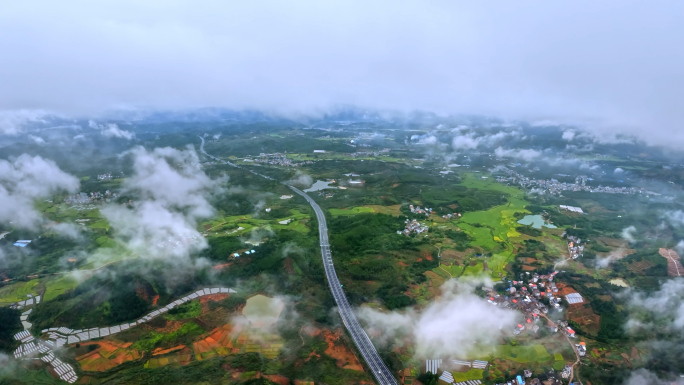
(610, 67)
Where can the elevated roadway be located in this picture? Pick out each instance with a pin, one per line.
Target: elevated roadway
(380, 371)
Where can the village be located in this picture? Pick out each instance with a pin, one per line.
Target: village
(278, 159)
(534, 296)
(555, 187)
(82, 198)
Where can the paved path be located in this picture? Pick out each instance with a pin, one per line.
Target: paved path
(574, 349)
(359, 336)
(676, 264)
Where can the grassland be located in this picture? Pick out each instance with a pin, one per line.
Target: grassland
(524, 354)
(18, 291)
(472, 374)
(188, 310)
(351, 211)
(59, 286)
(241, 224)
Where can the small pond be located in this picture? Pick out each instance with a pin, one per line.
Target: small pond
(536, 221)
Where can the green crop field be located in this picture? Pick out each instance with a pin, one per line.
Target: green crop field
(472, 374)
(59, 286)
(188, 310)
(18, 291)
(351, 211)
(231, 225)
(524, 354)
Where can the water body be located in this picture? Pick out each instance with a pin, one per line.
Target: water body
(319, 185)
(262, 311)
(536, 221)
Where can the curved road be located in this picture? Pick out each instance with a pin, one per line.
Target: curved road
(363, 343)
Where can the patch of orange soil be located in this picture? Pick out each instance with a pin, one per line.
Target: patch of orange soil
(108, 355)
(342, 354)
(219, 338)
(155, 299)
(402, 264)
(160, 351)
(221, 266)
(300, 382)
(584, 316)
(564, 290)
(170, 327)
(211, 297)
(289, 268)
(674, 263)
(278, 379)
(528, 268)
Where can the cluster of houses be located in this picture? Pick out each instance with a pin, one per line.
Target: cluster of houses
(93, 197)
(173, 243)
(413, 227)
(104, 177)
(364, 154)
(435, 366)
(278, 159)
(526, 379)
(419, 210)
(522, 292)
(555, 187)
(566, 372)
(575, 246)
(449, 216)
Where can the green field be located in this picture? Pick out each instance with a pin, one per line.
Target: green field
(351, 211)
(229, 225)
(18, 291)
(472, 374)
(59, 286)
(524, 354)
(188, 310)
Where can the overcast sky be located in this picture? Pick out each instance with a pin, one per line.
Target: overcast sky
(614, 63)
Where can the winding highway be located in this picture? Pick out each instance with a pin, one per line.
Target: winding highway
(380, 371)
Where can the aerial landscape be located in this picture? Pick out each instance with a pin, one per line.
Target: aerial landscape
(183, 202)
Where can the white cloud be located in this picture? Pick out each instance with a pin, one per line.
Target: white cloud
(645, 377)
(568, 135)
(523, 154)
(173, 195)
(464, 142)
(675, 217)
(427, 139)
(497, 58)
(629, 234)
(26, 179)
(111, 130)
(666, 304)
(618, 170)
(12, 122)
(37, 139)
(300, 180)
(454, 324)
